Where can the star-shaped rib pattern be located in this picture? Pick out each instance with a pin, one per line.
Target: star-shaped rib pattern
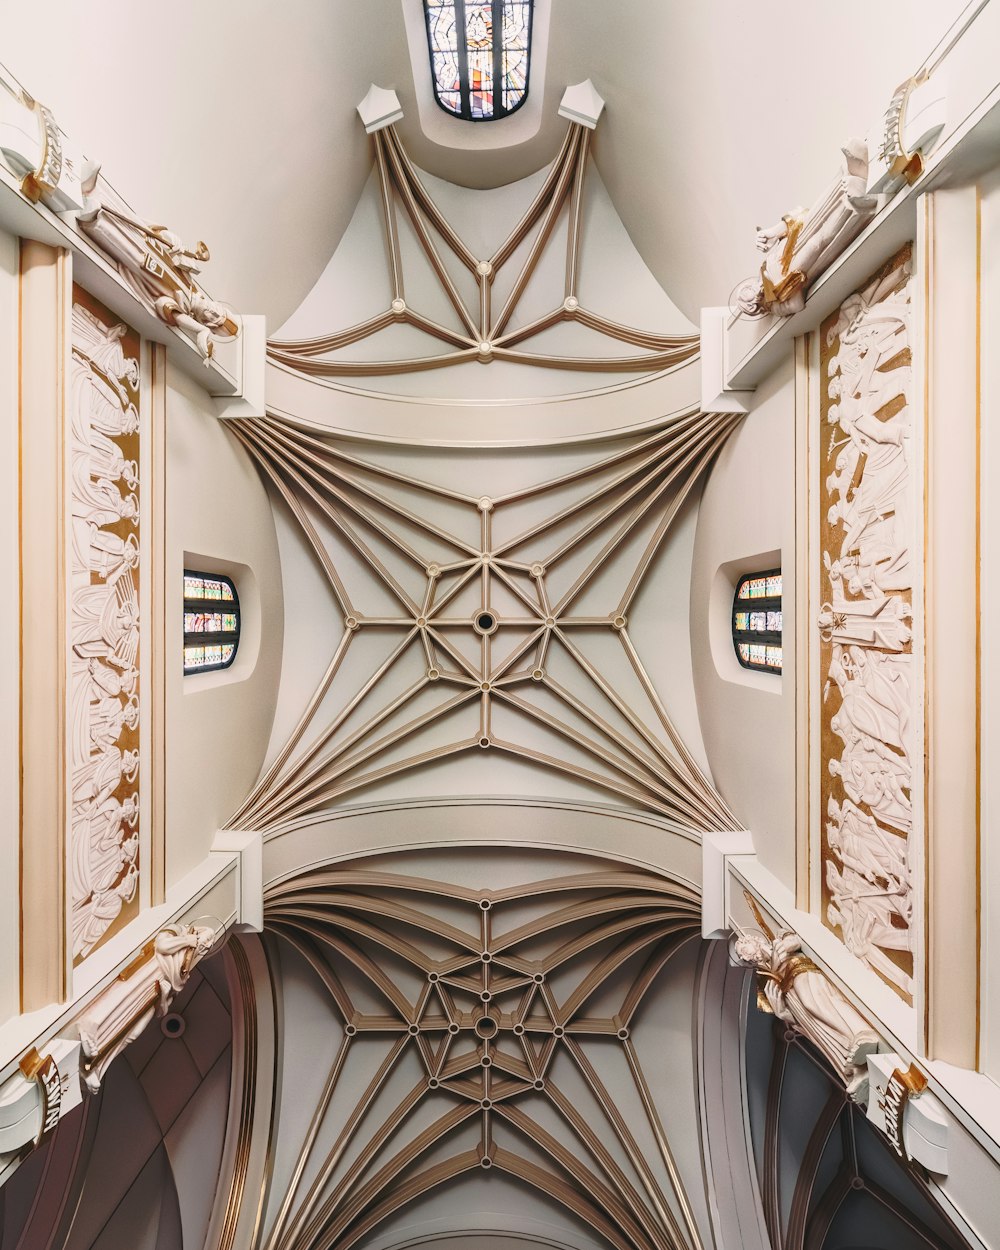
(496, 622)
(495, 1031)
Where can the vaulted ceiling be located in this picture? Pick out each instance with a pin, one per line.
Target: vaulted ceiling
(235, 123)
(487, 1036)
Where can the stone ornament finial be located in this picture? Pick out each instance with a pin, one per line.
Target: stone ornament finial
(144, 990)
(34, 148)
(900, 1106)
(797, 991)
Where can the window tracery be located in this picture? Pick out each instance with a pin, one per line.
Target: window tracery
(757, 621)
(211, 621)
(480, 52)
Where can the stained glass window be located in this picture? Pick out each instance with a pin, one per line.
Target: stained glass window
(480, 52)
(757, 621)
(211, 621)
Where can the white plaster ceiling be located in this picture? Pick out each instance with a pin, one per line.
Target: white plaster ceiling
(234, 122)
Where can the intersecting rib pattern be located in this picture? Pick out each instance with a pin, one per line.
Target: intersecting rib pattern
(483, 331)
(492, 1012)
(507, 625)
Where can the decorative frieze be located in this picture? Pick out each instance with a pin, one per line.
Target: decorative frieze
(868, 705)
(104, 624)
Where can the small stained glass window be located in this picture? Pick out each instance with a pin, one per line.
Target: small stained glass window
(480, 52)
(211, 622)
(757, 621)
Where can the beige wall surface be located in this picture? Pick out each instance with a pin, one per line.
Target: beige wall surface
(747, 522)
(705, 135)
(9, 623)
(989, 586)
(218, 519)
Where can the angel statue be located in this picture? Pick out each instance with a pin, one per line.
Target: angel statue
(802, 244)
(794, 989)
(156, 266)
(127, 1006)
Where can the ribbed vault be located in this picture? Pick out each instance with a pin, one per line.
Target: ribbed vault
(487, 619)
(483, 295)
(512, 1027)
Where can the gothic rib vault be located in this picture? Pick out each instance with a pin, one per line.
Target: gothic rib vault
(484, 315)
(518, 1015)
(502, 1030)
(495, 622)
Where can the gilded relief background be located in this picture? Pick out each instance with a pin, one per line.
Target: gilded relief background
(867, 527)
(104, 628)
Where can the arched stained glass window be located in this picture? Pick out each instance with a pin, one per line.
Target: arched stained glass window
(211, 621)
(480, 52)
(757, 621)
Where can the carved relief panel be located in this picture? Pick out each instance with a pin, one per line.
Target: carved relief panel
(104, 633)
(868, 702)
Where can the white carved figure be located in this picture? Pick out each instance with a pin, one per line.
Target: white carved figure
(874, 776)
(106, 620)
(802, 244)
(93, 917)
(96, 780)
(862, 846)
(798, 992)
(104, 461)
(865, 621)
(126, 1007)
(156, 265)
(103, 695)
(863, 913)
(879, 623)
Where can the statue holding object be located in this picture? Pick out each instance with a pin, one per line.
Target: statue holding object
(794, 989)
(802, 244)
(122, 1012)
(156, 266)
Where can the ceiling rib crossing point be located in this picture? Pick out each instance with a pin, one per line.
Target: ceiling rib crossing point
(496, 622)
(501, 1030)
(486, 330)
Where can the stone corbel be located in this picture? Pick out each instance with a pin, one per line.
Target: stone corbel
(379, 108)
(249, 401)
(249, 847)
(900, 1106)
(716, 851)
